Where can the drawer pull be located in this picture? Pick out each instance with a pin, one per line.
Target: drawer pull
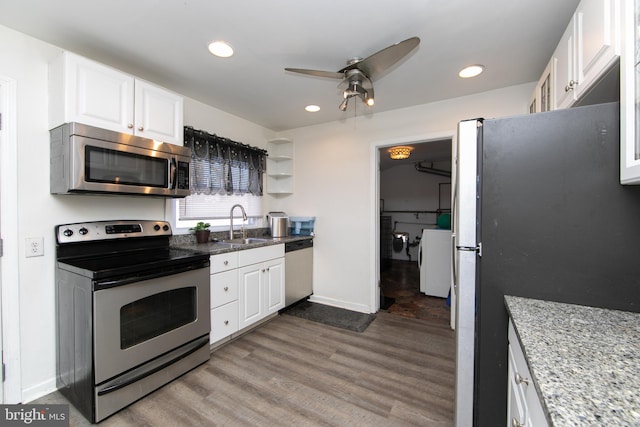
(226, 322)
(226, 288)
(226, 262)
(520, 379)
(516, 423)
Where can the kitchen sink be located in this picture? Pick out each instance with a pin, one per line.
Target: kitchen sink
(247, 241)
(227, 244)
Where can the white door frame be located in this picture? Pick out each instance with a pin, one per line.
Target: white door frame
(9, 272)
(375, 190)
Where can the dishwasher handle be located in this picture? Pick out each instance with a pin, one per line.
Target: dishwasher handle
(296, 245)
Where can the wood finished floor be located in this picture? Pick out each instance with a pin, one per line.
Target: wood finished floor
(294, 372)
(401, 281)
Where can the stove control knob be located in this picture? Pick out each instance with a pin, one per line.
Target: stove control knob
(83, 231)
(68, 232)
(165, 227)
(156, 227)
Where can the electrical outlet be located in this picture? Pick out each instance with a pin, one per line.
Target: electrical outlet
(34, 246)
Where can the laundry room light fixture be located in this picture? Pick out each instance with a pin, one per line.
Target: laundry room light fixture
(400, 152)
(221, 49)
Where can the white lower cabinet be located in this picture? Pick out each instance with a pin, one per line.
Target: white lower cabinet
(246, 286)
(523, 404)
(261, 283)
(224, 321)
(224, 296)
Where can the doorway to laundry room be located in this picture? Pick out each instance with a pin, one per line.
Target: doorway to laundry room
(415, 202)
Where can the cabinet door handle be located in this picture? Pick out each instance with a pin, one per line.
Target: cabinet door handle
(263, 270)
(226, 262)
(516, 423)
(520, 379)
(130, 125)
(226, 322)
(140, 128)
(226, 288)
(570, 86)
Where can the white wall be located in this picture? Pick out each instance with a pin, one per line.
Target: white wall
(26, 60)
(336, 179)
(403, 188)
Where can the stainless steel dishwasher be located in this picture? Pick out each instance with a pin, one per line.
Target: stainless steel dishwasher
(298, 276)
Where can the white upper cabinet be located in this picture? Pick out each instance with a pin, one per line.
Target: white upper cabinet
(564, 60)
(588, 47)
(630, 95)
(599, 38)
(543, 98)
(158, 113)
(85, 91)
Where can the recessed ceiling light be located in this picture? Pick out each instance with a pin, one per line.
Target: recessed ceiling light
(471, 71)
(312, 108)
(221, 49)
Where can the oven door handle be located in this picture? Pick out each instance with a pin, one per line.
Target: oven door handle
(163, 272)
(160, 364)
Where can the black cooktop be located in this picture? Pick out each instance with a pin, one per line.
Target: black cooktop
(122, 250)
(124, 263)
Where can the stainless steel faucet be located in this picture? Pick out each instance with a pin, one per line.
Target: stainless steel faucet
(244, 218)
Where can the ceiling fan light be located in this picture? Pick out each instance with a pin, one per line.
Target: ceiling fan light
(400, 152)
(370, 102)
(343, 104)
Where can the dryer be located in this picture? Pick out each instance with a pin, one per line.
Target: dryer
(434, 261)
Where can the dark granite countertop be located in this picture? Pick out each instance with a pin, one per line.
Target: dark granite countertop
(585, 361)
(188, 241)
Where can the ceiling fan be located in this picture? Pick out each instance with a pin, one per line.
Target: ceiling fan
(359, 73)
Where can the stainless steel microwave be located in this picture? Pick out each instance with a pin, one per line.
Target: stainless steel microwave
(86, 159)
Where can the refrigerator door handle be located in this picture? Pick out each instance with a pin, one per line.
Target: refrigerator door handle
(477, 249)
(454, 279)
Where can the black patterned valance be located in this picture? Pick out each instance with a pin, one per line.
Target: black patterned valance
(222, 166)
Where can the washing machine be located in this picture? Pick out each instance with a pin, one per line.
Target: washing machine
(434, 261)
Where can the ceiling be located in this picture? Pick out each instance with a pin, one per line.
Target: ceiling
(435, 153)
(165, 41)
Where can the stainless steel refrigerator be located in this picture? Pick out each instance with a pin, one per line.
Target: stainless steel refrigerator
(538, 212)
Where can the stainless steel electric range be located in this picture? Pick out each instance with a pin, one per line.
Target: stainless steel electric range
(132, 312)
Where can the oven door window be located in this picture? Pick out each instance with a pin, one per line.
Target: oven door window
(157, 314)
(120, 167)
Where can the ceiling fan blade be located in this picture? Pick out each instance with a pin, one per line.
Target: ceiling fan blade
(377, 63)
(317, 73)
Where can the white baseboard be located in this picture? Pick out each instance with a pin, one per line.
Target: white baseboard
(37, 391)
(362, 308)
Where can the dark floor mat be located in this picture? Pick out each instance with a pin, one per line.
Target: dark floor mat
(332, 316)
